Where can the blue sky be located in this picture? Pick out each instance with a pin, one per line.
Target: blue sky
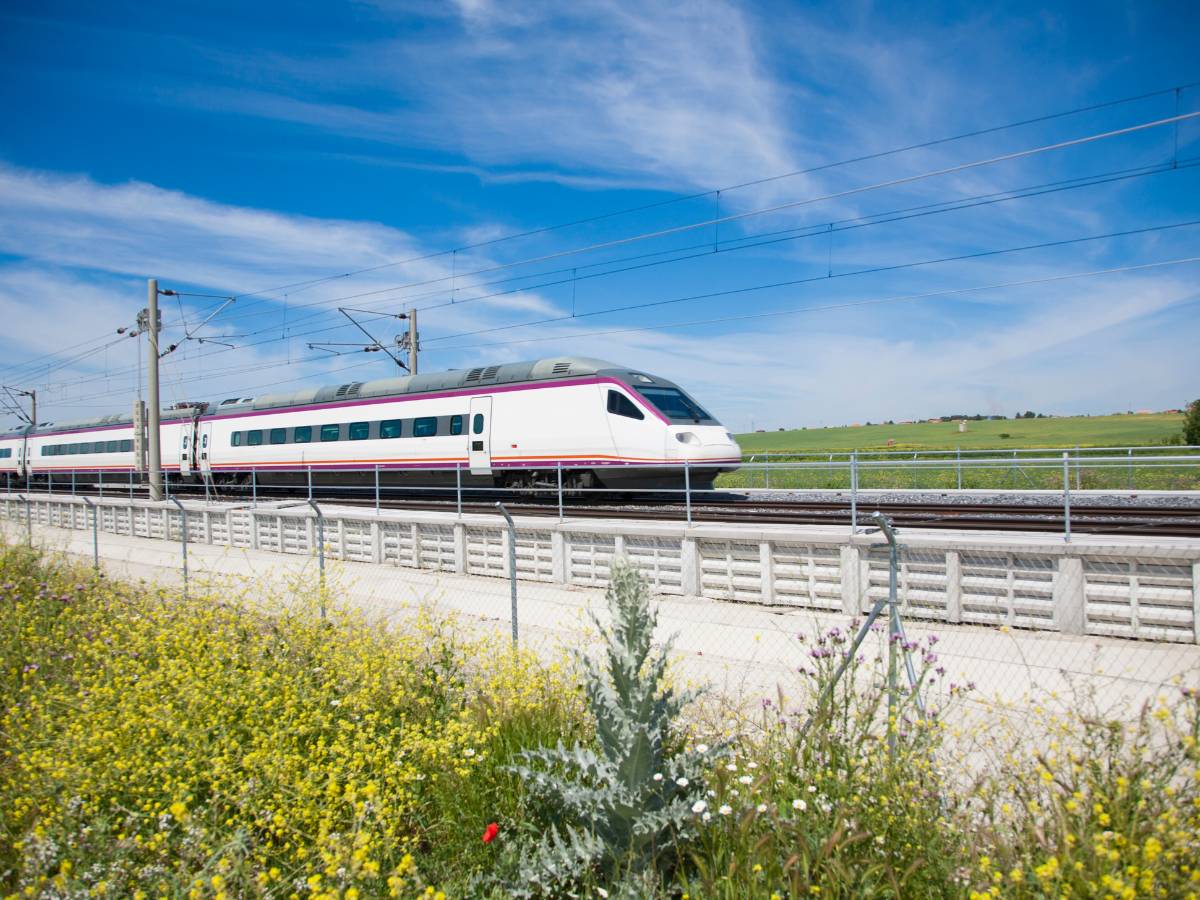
(231, 149)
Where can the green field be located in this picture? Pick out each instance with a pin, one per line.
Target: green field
(798, 458)
(1082, 431)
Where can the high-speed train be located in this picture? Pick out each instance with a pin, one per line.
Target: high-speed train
(513, 425)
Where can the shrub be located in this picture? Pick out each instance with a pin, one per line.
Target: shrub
(615, 811)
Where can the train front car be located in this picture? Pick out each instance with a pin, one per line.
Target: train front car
(664, 437)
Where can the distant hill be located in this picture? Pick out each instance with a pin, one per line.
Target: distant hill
(1085, 431)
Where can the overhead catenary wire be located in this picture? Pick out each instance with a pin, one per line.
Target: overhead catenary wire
(928, 295)
(305, 284)
(766, 286)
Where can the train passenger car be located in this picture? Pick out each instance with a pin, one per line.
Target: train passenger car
(512, 425)
(12, 455)
(100, 448)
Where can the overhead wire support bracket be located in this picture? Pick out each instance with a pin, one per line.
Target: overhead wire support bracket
(190, 333)
(375, 342)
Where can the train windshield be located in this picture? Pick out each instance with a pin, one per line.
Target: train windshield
(675, 404)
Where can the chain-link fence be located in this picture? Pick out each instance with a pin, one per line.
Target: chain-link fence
(1029, 621)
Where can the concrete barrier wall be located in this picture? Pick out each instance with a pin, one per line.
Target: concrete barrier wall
(1131, 587)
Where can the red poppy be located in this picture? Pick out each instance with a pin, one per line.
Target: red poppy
(489, 833)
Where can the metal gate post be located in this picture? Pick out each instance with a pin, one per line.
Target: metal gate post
(95, 533)
(1078, 470)
(100, 482)
(512, 566)
(310, 483)
(1066, 497)
(184, 537)
(560, 494)
(687, 489)
(854, 492)
(320, 550)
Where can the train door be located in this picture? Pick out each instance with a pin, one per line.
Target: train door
(187, 435)
(204, 436)
(479, 452)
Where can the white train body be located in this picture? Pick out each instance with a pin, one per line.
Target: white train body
(513, 425)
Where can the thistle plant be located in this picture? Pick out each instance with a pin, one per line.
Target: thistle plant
(615, 809)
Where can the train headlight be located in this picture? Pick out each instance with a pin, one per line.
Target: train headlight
(687, 437)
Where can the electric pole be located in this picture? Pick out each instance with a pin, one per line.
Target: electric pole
(32, 395)
(155, 464)
(412, 341)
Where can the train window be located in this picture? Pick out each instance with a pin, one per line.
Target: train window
(360, 431)
(456, 424)
(390, 428)
(126, 446)
(204, 441)
(302, 434)
(620, 405)
(73, 449)
(112, 447)
(477, 423)
(331, 432)
(185, 441)
(426, 426)
(278, 436)
(236, 439)
(254, 438)
(675, 404)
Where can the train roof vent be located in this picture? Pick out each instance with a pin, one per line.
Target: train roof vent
(230, 400)
(561, 368)
(473, 375)
(490, 372)
(348, 390)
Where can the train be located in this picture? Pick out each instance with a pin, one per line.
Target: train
(586, 422)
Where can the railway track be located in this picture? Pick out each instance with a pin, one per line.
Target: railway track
(1178, 521)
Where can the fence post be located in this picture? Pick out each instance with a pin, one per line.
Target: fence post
(1130, 451)
(184, 538)
(72, 482)
(320, 549)
(1067, 496)
(512, 566)
(1078, 470)
(254, 487)
(560, 491)
(95, 533)
(687, 489)
(310, 482)
(377, 489)
(131, 484)
(100, 483)
(458, 487)
(767, 471)
(28, 520)
(854, 492)
(958, 465)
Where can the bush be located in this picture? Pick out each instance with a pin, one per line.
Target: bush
(1191, 424)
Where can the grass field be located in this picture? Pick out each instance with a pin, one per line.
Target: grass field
(1083, 431)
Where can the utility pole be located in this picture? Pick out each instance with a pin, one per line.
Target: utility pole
(413, 342)
(32, 395)
(155, 464)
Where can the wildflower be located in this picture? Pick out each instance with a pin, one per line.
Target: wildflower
(706, 816)
(799, 804)
(682, 782)
(702, 748)
(469, 752)
(725, 809)
(699, 806)
(745, 779)
(762, 807)
(489, 833)
(658, 776)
